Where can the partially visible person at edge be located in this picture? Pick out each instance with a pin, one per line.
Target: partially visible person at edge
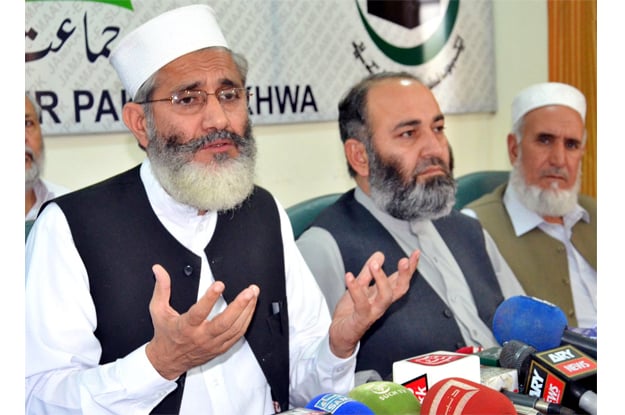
(394, 141)
(38, 190)
(176, 287)
(543, 226)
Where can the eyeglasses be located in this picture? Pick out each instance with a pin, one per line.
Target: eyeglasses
(191, 101)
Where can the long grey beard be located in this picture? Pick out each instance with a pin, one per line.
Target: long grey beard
(545, 202)
(411, 200)
(220, 185)
(33, 173)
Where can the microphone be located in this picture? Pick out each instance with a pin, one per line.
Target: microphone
(303, 411)
(540, 405)
(387, 398)
(460, 396)
(420, 372)
(563, 375)
(539, 324)
(336, 404)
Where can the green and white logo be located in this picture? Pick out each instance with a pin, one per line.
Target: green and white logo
(406, 14)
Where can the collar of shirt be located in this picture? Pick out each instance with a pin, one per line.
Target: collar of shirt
(389, 222)
(42, 194)
(524, 220)
(182, 221)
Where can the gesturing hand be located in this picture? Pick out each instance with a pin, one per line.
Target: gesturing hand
(183, 341)
(363, 304)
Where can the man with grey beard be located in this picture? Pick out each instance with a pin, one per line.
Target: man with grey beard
(38, 190)
(544, 227)
(394, 141)
(176, 287)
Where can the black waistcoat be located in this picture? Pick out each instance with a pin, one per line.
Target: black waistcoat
(420, 322)
(119, 238)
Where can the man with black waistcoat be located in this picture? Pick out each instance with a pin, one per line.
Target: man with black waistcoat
(394, 141)
(176, 287)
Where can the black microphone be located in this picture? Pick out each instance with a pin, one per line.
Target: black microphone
(540, 405)
(538, 323)
(563, 375)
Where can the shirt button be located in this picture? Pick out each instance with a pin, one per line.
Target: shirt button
(188, 270)
(447, 313)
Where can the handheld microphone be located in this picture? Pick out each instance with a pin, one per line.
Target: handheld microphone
(387, 398)
(539, 324)
(336, 404)
(458, 396)
(563, 375)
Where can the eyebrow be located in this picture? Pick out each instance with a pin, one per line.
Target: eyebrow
(553, 135)
(416, 123)
(409, 123)
(224, 82)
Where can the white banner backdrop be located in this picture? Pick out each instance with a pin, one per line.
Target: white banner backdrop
(303, 54)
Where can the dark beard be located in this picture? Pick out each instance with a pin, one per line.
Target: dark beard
(407, 199)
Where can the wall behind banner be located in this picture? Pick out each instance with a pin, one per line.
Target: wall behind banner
(299, 161)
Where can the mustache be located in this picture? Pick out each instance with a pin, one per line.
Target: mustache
(555, 171)
(424, 164)
(195, 144)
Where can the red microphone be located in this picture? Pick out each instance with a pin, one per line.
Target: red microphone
(464, 397)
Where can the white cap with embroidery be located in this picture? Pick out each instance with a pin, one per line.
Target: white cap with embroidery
(548, 93)
(163, 39)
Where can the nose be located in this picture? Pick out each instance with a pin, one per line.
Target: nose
(557, 155)
(434, 146)
(214, 116)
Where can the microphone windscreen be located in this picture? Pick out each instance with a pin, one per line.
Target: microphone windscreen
(457, 396)
(387, 398)
(338, 405)
(517, 355)
(529, 320)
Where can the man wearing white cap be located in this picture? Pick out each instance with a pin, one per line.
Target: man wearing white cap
(38, 190)
(235, 322)
(545, 229)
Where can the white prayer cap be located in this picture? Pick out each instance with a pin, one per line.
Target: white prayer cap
(548, 93)
(163, 39)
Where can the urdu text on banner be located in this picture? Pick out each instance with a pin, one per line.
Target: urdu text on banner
(303, 54)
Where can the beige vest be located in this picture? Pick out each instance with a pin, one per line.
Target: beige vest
(538, 260)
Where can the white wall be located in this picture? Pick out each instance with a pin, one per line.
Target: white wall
(298, 161)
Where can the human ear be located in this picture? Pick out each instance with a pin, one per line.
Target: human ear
(513, 148)
(356, 155)
(134, 118)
